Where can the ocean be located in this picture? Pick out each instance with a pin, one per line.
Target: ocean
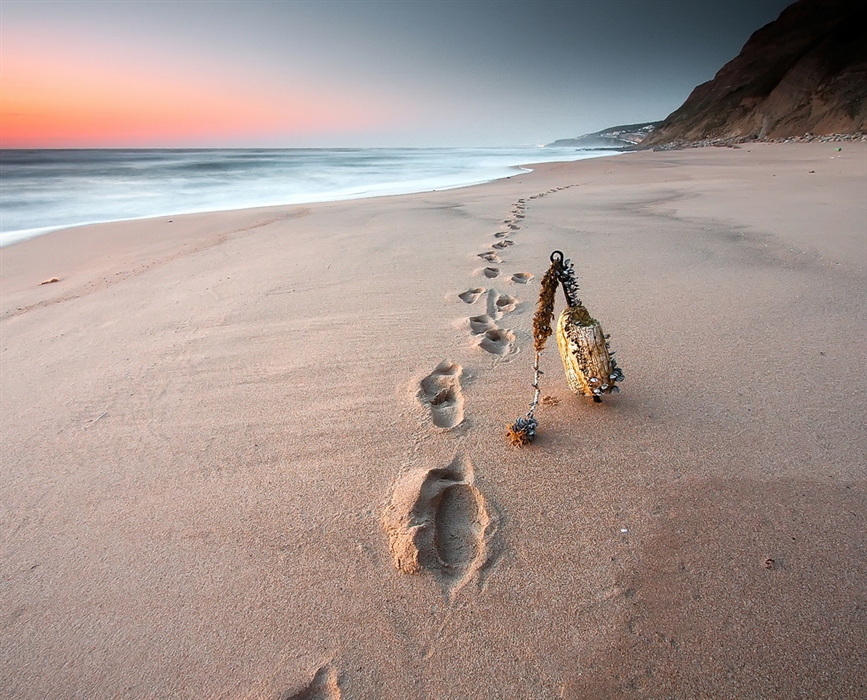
(46, 190)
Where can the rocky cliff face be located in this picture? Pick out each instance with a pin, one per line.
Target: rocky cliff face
(805, 72)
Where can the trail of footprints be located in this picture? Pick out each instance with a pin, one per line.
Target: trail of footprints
(441, 390)
(437, 520)
(490, 337)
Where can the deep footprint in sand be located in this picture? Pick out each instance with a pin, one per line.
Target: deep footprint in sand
(491, 272)
(503, 244)
(441, 392)
(522, 277)
(324, 686)
(505, 303)
(501, 234)
(438, 522)
(481, 324)
(497, 341)
(471, 295)
(490, 256)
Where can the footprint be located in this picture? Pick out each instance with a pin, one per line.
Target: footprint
(522, 277)
(490, 256)
(457, 523)
(501, 234)
(491, 272)
(503, 244)
(497, 341)
(480, 324)
(505, 303)
(438, 522)
(441, 392)
(324, 686)
(471, 295)
(514, 227)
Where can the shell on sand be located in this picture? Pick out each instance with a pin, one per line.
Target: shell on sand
(584, 352)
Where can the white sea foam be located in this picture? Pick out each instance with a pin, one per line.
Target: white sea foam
(46, 190)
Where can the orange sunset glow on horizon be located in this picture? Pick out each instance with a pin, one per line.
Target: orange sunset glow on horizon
(54, 98)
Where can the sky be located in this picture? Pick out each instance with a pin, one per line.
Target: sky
(356, 73)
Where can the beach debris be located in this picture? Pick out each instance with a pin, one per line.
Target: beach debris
(51, 280)
(522, 431)
(588, 360)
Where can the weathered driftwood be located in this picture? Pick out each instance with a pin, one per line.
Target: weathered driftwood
(584, 350)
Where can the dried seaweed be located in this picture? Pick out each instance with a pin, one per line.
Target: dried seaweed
(523, 430)
(545, 308)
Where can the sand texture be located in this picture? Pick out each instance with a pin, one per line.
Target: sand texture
(262, 454)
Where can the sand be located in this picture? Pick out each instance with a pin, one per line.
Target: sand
(261, 454)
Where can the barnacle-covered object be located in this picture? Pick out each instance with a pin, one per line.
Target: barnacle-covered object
(585, 354)
(590, 367)
(522, 431)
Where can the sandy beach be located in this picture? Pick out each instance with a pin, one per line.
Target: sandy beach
(223, 435)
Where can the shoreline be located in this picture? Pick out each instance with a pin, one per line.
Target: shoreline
(332, 193)
(217, 431)
(28, 234)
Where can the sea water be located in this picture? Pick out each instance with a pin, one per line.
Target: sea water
(46, 190)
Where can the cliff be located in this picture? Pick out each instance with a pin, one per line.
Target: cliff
(805, 72)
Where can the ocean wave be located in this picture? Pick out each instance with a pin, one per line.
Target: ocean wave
(47, 190)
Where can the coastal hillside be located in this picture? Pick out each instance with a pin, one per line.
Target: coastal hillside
(623, 136)
(805, 72)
